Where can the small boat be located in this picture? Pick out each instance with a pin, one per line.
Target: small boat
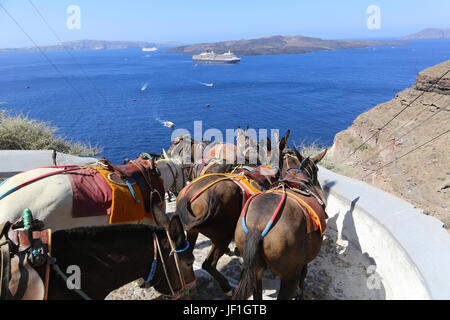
(149, 49)
(209, 84)
(169, 124)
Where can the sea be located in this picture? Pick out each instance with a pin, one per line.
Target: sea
(119, 99)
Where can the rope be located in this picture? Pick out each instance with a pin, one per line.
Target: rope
(409, 104)
(408, 132)
(429, 141)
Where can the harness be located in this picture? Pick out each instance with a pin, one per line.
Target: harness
(115, 176)
(299, 186)
(37, 252)
(32, 247)
(241, 180)
(185, 287)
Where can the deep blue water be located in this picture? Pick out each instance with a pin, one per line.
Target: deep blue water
(316, 95)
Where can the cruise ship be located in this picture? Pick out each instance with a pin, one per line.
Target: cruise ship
(212, 57)
(150, 49)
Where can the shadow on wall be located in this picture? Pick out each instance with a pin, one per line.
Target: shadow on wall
(366, 281)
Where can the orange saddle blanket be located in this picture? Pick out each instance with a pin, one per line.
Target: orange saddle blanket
(95, 195)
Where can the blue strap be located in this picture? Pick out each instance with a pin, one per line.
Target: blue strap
(184, 249)
(4, 194)
(243, 225)
(3, 181)
(266, 229)
(152, 271)
(128, 182)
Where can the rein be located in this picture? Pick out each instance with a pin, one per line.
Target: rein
(185, 287)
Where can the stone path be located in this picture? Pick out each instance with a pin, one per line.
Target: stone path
(338, 272)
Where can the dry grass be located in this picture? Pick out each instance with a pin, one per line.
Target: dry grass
(312, 149)
(21, 133)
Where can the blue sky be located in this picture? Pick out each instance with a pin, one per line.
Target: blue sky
(216, 20)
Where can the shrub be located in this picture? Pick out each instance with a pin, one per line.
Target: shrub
(21, 133)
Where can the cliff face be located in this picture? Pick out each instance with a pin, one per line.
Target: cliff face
(422, 176)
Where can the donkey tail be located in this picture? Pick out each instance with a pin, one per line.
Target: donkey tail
(252, 259)
(189, 220)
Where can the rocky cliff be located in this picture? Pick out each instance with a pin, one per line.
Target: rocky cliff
(409, 152)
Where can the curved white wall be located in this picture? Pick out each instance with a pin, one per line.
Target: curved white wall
(410, 249)
(15, 161)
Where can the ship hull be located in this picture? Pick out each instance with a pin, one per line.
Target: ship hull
(215, 61)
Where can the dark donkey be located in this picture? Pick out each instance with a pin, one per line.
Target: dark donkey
(282, 229)
(108, 257)
(212, 206)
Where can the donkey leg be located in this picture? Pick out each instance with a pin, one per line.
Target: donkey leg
(287, 288)
(191, 237)
(210, 266)
(301, 284)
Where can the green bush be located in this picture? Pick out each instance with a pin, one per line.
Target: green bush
(21, 133)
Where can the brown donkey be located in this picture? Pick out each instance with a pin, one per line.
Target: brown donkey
(211, 205)
(282, 229)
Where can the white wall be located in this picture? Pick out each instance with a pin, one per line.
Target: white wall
(410, 249)
(15, 161)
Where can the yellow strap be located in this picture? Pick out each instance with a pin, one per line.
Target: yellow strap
(227, 176)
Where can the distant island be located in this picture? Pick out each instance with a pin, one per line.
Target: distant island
(280, 45)
(95, 45)
(429, 33)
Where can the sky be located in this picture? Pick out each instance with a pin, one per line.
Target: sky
(214, 20)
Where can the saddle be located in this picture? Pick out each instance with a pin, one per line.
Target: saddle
(142, 172)
(25, 261)
(260, 176)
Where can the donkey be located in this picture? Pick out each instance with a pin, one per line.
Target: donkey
(108, 257)
(214, 212)
(51, 198)
(276, 230)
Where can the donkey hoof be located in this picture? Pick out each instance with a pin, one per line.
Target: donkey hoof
(229, 293)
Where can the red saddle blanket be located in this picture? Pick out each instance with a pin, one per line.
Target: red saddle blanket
(92, 195)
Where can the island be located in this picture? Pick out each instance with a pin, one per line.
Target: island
(94, 45)
(429, 33)
(280, 45)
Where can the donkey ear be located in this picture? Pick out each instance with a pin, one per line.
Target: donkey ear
(269, 144)
(176, 231)
(320, 156)
(298, 155)
(283, 142)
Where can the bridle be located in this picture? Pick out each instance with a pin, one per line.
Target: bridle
(146, 173)
(186, 288)
(286, 157)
